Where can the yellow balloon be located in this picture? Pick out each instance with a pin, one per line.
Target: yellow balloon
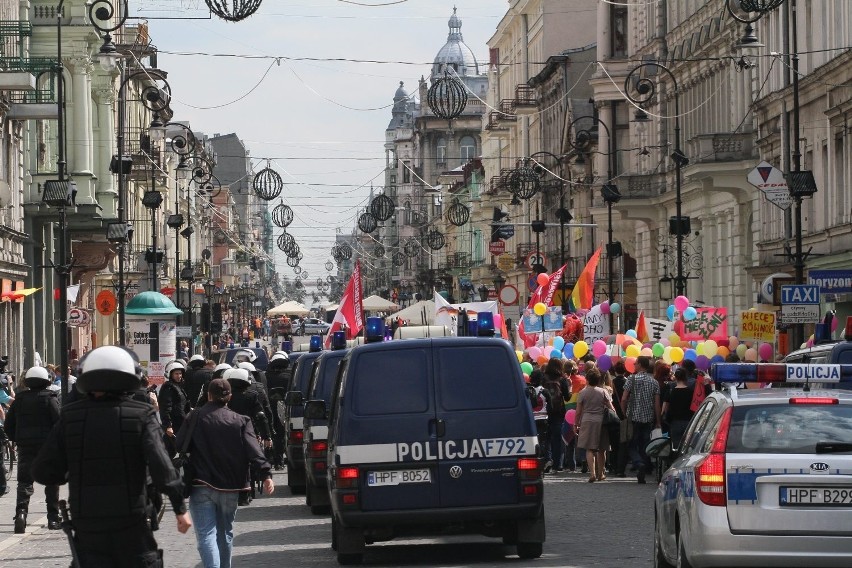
(699, 349)
(520, 356)
(540, 309)
(711, 348)
(677, 354)
(632, 351)
(580, 349)
(674, 340)
(667, 355)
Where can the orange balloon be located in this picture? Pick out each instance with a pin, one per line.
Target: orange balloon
(723, 351)
(542, 360)
(542, 279)
(630, 364)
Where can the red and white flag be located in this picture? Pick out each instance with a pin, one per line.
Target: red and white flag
(351, 312)
(543, 294)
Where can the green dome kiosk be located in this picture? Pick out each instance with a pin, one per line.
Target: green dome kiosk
(151, 327)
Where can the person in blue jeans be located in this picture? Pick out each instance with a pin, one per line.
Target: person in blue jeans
(223, 449)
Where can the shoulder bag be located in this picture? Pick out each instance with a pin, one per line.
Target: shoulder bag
(182, 461)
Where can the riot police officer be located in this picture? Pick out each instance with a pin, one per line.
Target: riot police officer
(174, 404)
(277, 379)
(245, 400)
(195, 378)
(28, 424)
(103, 446)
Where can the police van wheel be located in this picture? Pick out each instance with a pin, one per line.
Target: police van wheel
(529, 550)
(334, 530)
(349, 559)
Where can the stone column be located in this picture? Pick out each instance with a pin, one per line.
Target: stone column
(80, 138)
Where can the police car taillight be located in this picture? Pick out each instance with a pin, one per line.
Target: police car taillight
(296, 436)
(814, 400)
(347, 477)
(847, 333)
(710, 473)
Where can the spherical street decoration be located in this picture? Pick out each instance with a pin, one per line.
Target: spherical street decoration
(345, 251)
(458, 214)
(294, 251)
(329, 265)
(524, 182)
(435, 239)
(447, 97)
(305, 275)
(382, 208)
(298, 270)
(411, 248)
(398, 259)
(330, 279)
(379, 251)
(367, 223)
(282, 215)
(233, 10)
(286, 242)
(267, 184)
(292, 261)
(319, 283)
(298, 284)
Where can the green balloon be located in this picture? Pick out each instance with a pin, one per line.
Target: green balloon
(658, 349)
(526, 367)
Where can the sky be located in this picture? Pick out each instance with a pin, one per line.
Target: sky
(321, 124)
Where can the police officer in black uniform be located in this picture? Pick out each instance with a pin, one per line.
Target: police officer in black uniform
(195, 378)
(103, 446)
(28, 424)
(277, 379)
(174, 404)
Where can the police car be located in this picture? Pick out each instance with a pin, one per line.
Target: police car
(315, 442)
(294, 412)
(432, 436)
(762, 477)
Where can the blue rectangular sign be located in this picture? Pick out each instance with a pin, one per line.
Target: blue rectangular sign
(803, 294)
(832, 281)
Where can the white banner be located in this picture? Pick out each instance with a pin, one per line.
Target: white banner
(595, 325)
(659, 328)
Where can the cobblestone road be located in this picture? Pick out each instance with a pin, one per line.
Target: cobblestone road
(600, 525)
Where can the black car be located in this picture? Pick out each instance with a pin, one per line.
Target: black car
(294, 412)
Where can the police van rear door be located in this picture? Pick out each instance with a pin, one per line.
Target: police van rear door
(387, 428)
(484, 423)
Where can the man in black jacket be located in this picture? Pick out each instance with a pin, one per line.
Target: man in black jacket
(223, 449)
(28, 424)
(174, 404)
(196, 377)
(104, 446)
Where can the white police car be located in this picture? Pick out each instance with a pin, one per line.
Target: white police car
(762, 477)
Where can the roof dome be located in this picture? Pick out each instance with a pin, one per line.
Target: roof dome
(151, 304)
(455, 52)
(401, 93)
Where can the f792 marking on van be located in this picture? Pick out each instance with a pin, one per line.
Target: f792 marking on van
(466, 449)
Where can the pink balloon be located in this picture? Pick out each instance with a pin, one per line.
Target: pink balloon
(498, 321)
(570, 415)
(599, 348)
(751, 355)
(681, 303)
(765, 351)
(834, 323)
(605, 307)
(548, 350)
(535, 353)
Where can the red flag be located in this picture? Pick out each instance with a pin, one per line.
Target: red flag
(351, 312)
(642, 328)
(543, 294)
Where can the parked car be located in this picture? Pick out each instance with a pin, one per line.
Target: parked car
(311, 326)
(432, 436)
(762, 477)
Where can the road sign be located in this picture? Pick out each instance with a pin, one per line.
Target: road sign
(534, 258)
(799, 304)
(505, 262)
(508, 295)
(497, 247)
(506, 231)
(105, 302)
(78, 317)
(770, 180)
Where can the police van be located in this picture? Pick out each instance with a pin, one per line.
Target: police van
(294, 411)
(315, 440)
(430, 437)
(830, 352)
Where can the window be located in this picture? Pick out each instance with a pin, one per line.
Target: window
(406, 172)
(467, 149)
(391, 382)
(618, 26)
(441, 151)
(492, 386)
(788, 428)
(697, 427)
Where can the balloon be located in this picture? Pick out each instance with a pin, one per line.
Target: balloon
(498, 322)
(741, 351)
(690, 313)
(667, 355)
(527, 377)
(542, 361)
(605, 307)
(765, 351)
(558, 343)
(674, 340)
(658, 349)
(632, 351)
(580, 349)
(626, 343)
(723, 351)
(702, 362)
(733, 342)
(665, 342)
(670, 312)
(614, 308)
(834, 323)
(631, 333)
(540, 309)
(598, 348)
(520, 356)
(526, 367)
(630, 364)
(699, 349)
(710, 348)
(690, 355)
(717, 359)
(570, 415)
(677, 354)
(681, 303)
(557, 354)
(542, 279)
(568, 350)
(548, 350)
(751, 355)
(604, 363)
(646, 352)
(535, 352)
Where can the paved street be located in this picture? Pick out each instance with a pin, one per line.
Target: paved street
(600, 525)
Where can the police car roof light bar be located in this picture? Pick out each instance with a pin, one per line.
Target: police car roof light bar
(780, 373)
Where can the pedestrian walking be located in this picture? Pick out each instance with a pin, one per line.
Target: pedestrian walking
(223, 449)
(174, 404)
(676, 407)
(592, 402)
(641, 399)
(28, 423)
(105, 446)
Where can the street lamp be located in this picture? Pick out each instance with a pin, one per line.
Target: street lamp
(640, 90)
(483, 292)
(207, 314)
(152, 201)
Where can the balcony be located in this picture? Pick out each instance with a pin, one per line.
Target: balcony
(642, 186)
(457, 261)
(524, 101)
(721, 147)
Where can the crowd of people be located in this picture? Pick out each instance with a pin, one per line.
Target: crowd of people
(600, 421)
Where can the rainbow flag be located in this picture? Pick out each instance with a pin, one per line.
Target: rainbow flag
(642, 328)
(584, 290)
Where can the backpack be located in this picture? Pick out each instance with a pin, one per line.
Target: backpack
(557, 401)
(538, 402)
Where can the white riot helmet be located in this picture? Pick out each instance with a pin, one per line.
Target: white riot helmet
(245, 355)
(237, 375)
(220, 369)
(196, 357)
(247, 366)
(109, 369)
(174, 366)
(37, 378)
(278, 355)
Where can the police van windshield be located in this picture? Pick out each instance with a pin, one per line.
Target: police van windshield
(788, 428)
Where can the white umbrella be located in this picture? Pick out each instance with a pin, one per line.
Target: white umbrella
(290, 308)
(376, 303)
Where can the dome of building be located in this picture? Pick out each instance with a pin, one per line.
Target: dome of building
(401, 93)
(455, 53)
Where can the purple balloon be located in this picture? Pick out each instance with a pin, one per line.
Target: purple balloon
(604, 363)
(702, 362)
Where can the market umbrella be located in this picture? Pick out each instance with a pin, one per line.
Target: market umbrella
(376, 303)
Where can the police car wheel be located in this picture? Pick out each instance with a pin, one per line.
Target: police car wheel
(529, 550)
(682, 561)
(349, 559)
(659, 558)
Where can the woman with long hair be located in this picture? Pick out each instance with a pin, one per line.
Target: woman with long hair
(592, 403)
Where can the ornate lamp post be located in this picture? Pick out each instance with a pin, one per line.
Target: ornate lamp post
(641, 90)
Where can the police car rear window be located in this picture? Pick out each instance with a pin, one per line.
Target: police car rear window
(788, 428)
(476, 378)
(391, 382)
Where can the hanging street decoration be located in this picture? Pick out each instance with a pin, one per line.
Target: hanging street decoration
(367, 223)
(379, 251)
(398, 259)
(411, 248)
(282, 215)
(447, 97)
(233, 10)
(458, 214)
(267, 184)
(435, 239)
(382, 207)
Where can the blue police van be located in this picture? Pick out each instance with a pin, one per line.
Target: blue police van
(315, 444)
(431, 437)
(294, 412)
